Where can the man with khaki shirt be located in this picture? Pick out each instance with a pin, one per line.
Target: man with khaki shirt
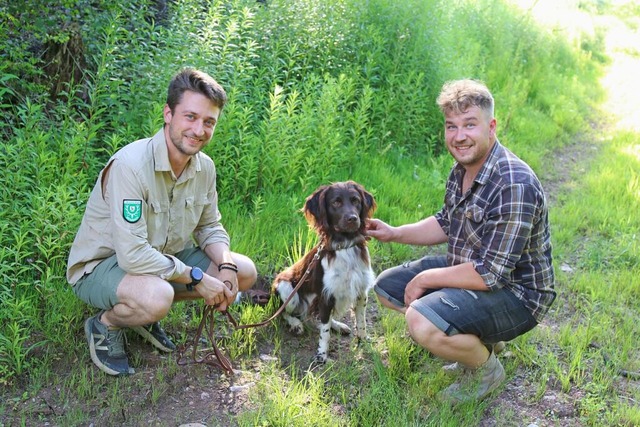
(134, 254)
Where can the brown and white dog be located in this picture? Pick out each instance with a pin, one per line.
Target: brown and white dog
(342, 277)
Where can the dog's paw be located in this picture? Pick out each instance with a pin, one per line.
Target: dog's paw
(297, 329)
(340, 327)
(320, 357)
(362, 339)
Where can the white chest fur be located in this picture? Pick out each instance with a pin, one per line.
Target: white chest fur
(346, 277)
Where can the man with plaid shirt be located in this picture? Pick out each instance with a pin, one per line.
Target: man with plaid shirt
(496, 281)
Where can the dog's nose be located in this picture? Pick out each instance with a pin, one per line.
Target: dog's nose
(352, 218)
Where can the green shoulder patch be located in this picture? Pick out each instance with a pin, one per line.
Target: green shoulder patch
(132, 210)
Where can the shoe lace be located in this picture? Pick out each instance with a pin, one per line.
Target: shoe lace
(115, 338)
(467, 377)
(156, 330)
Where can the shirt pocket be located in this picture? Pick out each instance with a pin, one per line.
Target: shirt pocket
(473, 224)
(193, 211)
(158, 223)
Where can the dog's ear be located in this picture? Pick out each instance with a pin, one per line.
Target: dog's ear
(314, 208)
(368, 202)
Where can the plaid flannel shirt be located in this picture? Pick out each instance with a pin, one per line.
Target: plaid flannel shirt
(501, 225)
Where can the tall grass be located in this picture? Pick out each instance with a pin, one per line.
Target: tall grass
(319, 91)
(600, 244)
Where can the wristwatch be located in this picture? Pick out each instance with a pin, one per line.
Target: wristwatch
(196, 277)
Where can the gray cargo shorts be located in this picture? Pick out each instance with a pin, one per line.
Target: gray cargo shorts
(98, 288)
(491, 316)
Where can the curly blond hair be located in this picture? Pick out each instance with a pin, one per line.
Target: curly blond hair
(457, 96)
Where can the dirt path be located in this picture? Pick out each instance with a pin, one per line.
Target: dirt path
(622, 41)
(621, 82)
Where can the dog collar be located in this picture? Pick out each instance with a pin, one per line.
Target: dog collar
(338, 246)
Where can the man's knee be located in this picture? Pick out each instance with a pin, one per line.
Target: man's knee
(423, 331)
(163, 299)
(149, 294)
(384, 298)
(247, 272)
(385, 302)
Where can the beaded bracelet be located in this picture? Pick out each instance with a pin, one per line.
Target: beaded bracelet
(228, 266)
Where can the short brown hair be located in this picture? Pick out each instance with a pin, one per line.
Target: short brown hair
(458, 95)
(195, 81)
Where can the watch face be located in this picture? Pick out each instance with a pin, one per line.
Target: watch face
(196, 274)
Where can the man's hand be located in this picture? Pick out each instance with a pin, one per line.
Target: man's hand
(230, 279)
(380, 230)
(215, 292)
(416, 288)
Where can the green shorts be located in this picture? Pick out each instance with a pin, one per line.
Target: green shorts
(98, 288)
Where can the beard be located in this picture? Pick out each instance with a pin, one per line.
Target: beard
(179, 140)
(474, 155)
(468, 157)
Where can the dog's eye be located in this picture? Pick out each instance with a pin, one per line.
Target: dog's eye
(337, 203)
(355, 201)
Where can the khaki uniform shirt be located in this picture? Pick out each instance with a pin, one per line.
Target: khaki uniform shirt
(145, 214)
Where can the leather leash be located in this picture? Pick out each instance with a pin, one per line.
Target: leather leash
(216, 358)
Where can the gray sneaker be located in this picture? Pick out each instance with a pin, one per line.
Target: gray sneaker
(106, 347)
(475, 384)
(156, 336)
(456, 369)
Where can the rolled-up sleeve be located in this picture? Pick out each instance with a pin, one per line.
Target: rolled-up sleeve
(134, 253)
(442, 216)
(506, 233)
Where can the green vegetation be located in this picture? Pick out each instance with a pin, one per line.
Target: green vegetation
(319, 91)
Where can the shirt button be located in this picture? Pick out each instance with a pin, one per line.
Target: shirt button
(468, 214)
